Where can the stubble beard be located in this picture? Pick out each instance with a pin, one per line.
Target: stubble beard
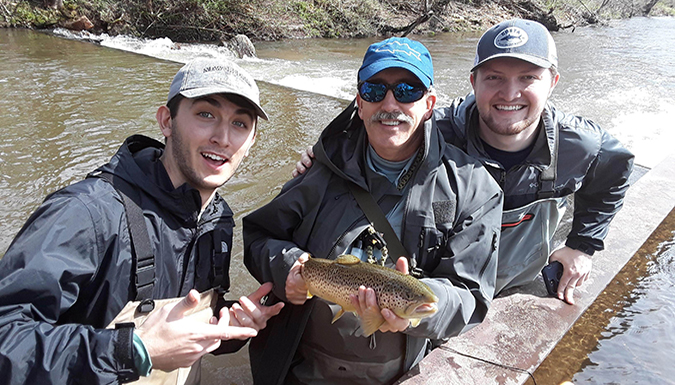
(182, 156)
(508, 130)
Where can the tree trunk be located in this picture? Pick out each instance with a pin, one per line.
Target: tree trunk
(648, 7)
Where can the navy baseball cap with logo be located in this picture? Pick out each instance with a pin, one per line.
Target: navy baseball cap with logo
(521, 39)
(398, 52)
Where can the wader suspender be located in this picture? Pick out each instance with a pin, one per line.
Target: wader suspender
(379, 221)
(548, 175)
(143, 257)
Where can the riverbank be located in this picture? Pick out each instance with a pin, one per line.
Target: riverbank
(198, 20)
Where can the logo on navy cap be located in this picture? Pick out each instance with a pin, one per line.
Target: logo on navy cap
(511, 37)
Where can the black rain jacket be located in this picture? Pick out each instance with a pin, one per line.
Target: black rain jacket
(67, 273)
(450, 227)
(592, 165)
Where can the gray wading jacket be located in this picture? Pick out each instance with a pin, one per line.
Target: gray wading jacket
(451, 229)
(67, 273)
(592, 165)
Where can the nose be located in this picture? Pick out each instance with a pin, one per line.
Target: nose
(510, 90)
(389, 103)
(220, 135)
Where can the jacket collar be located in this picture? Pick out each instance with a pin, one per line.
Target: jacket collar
(137, 162)
(542, 151)
(343, 144)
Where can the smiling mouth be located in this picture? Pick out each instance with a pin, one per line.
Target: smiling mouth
(214, 157)
(502, 107)
(391, 122)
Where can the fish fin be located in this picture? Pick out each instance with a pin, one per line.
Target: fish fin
(338, 315)
(347, 259)
(309, 294)
(414, 322)
(369, 325)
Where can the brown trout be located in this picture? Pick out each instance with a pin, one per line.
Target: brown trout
(335, 280)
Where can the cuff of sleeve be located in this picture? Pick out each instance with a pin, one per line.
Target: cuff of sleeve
(141, 357)
(123, 346)
(581, 246)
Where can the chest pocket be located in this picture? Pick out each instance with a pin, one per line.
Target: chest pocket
(525, 242)
(432, 241)
(213, 264)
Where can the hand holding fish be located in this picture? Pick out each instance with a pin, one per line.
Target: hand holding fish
(367, 308)
(384, 299)
(296, 288)
(249, 312)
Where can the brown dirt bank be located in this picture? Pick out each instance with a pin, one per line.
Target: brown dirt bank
(210, 20)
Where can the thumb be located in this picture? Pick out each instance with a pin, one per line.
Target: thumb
(402, 265)
(189, 302)
(262, 291)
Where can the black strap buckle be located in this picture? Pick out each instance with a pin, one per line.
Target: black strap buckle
(146, 306)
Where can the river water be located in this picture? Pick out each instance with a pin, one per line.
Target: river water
(66, 105)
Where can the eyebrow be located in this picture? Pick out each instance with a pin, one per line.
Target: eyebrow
(214, 102)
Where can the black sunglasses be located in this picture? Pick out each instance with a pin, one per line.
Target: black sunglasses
(403, 92)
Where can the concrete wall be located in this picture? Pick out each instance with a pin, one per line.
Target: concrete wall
(524, 325)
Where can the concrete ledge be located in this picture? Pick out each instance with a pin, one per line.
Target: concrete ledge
(523, 326)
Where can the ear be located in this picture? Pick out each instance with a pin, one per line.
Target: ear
(431, 102)
(255, 133)
(163, 117)
(472, 80)
(554, 82)
(358, 105)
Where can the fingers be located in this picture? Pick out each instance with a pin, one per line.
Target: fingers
(296, 288)
(393, 322)
(225, 332)
(190, 301)
(262, 291)
(303, 258)
(402, 265)
(365, 301)
(299, 169)
(304, 163)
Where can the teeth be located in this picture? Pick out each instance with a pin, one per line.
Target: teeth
(390, 122)
(509, 108)
(213, 157)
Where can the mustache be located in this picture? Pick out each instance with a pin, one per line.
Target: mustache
(382, 115)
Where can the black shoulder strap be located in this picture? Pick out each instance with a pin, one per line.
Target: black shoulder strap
(379, 221)
(144, 258)
(548, 175)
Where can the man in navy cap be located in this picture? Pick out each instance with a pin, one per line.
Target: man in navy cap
(439, 218)
(538, 155)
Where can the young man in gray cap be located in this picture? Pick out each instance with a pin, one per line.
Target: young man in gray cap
(148, 225)
(441, 204)
(537, 154)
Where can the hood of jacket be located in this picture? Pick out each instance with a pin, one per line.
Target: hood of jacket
(138, 163)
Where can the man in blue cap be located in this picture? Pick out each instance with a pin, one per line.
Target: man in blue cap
(435, 209)
(539, 156)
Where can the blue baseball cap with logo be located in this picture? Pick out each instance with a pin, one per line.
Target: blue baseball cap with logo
(521, 39)
(398, 52)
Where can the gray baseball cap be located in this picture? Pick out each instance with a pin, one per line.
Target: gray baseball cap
(204, 76)
(521, 39)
